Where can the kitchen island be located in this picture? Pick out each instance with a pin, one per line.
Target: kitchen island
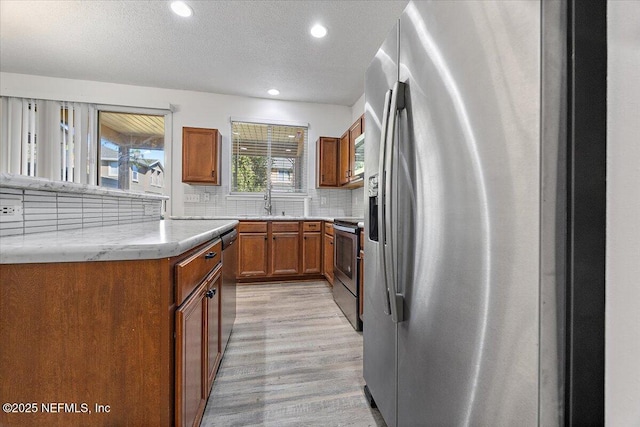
(114, 325)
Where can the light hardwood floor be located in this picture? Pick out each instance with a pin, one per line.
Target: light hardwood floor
(292, 360)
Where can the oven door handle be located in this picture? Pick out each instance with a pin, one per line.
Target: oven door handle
(350, 230)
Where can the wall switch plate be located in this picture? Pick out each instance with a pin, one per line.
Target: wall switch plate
(192, 198)
(148, 210)
(206, 197)
(323, 200)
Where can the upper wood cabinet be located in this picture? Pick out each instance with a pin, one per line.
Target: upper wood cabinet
(337, 158)
(201, 155)
(327, 162)
(344, 169)
(348, 155)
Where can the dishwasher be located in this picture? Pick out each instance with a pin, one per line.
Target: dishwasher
(228, 294)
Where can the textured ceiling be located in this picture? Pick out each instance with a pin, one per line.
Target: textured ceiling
(230, 47)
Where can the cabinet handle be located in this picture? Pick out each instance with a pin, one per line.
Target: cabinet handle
(213, 173)
(274, 237)
(210, 255)
(210, 293)
(265, 238)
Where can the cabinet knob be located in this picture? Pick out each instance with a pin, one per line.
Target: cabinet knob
(210, 255)
(210, 293)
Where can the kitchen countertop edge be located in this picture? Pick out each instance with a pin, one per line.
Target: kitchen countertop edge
(150, 240)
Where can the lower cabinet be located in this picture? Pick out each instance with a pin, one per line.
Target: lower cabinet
(197, 347)
(144, 345)
(285, 248)
(279, 249)
(191, 378)
(328, 252)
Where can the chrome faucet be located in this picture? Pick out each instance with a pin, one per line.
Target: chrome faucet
(267, 199)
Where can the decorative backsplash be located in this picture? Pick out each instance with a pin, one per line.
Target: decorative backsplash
(33, 205)
(214, 201)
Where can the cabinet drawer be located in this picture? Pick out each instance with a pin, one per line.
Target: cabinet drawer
(311, 226)
(252, 227)
(285, 226)
(328, 228)
(191, 271)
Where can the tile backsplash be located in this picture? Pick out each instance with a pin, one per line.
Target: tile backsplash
(322, 202)
(68, 206)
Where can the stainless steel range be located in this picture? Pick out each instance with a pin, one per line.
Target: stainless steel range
(345, 270)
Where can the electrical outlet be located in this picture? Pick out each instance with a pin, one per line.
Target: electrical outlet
(206, 197)
(148, 210)
(323, 201)
(10, 210)
(192, 198)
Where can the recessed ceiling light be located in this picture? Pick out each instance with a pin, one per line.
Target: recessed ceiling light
(273, 92)
(318, 31)
(180, 8)
(236, 133)
(288, 149)
(243, 148)
(291, 136)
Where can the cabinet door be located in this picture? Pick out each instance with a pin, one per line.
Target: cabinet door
(345, 162)
(252, 256)
(201, 155)
(328, 258)
(214, 289)
(354, 131)
(190, 364)
(285, 253)
(327, 162)
(312, 253)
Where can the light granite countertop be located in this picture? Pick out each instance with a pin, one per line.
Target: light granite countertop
(357, 220)
(258, 218)
(148, 240)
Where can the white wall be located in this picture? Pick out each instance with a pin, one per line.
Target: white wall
(622, 354)
(357, 109)
(196, 109)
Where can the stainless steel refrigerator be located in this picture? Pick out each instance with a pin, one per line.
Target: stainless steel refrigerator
(463, 317)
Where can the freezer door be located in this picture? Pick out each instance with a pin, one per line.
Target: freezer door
(379, 332)
(468, 172)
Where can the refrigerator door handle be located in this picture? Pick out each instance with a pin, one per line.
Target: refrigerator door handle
(381, 201)
(390, 229)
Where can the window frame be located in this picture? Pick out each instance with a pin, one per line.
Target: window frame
(240, 195)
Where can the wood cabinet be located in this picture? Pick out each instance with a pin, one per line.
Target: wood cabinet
(348, 155)
(336, 158)
(327, 162)
(115, 333)
(344, 162)
(213, 328)
(279, 249)
(191, 378)
(312, 248)
(328, 252)
(253, 254)
(201, 155)
(197, 332)
(285, 253)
